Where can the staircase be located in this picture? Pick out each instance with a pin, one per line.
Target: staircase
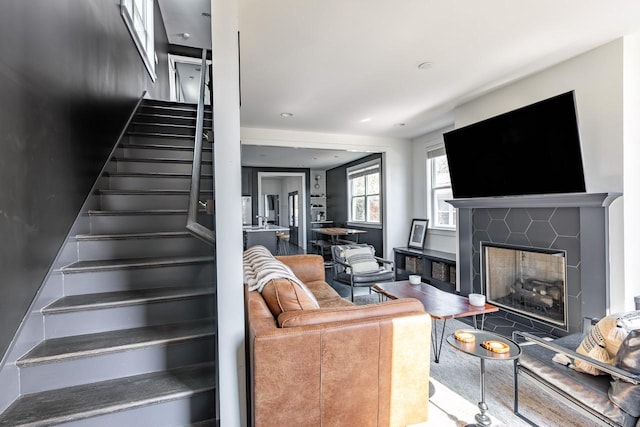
(132, 341)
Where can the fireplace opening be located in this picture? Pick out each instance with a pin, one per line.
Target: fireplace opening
(529, 281)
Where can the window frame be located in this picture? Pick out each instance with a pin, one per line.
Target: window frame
(432, 189)
(145, 38)
(375, 166)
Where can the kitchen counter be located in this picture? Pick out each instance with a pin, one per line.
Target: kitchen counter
(259, 228)
(262, 235)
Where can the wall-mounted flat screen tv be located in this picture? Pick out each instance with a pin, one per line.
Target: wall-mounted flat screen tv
(532, 150)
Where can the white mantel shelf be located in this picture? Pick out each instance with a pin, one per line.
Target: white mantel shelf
(538, 201)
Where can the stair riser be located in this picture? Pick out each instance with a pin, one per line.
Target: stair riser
(165, 118)
(84, 370)
(174, 413)
(159, 167)
(147, 140)
(190, 111)
(155, 129)
(136, 278)
(114, 224)
(134, 316)
(159, 153)
(169, 118)
(143, 201)
(136, 248)
(154, 183)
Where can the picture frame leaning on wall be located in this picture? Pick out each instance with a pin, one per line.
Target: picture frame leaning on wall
(418, 233)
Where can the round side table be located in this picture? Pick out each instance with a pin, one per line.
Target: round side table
(475, 349)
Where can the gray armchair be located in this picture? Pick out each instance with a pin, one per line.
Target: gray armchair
(357, 265)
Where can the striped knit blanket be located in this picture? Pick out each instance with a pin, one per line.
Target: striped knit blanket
(260, 267)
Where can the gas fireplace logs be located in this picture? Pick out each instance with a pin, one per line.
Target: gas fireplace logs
(544, 295)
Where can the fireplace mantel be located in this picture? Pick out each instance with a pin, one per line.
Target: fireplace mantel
(578, 200)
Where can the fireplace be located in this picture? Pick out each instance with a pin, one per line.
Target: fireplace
(525, 280)
(575, 225)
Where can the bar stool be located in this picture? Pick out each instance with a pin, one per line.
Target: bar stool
(283, 244)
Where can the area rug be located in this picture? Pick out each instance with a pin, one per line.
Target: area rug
(448, 409)
(366, 299)
(461, 374)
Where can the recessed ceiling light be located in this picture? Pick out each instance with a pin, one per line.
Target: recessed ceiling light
(285, 114)
(425, 65)
(368, 119)
(185, 35)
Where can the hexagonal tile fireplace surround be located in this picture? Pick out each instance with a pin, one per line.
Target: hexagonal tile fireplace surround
(576, 223)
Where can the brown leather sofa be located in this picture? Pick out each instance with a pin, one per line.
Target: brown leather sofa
(337, 365)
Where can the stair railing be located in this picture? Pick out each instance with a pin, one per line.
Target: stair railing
(196, 228)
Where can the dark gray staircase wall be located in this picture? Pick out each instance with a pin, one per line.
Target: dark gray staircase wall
(70, 76)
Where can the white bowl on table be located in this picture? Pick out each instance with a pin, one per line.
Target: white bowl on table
(415, 279)
(477, 299)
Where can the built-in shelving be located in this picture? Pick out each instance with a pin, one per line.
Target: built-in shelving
(318, 208)
(435, 267)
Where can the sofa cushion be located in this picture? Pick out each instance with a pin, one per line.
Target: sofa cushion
(599, 344)
(361, 260)
(322, 291)
(591, 390)
(626, 395)
(341, 314)
(282, 295)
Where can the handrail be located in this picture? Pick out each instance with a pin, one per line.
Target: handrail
(193, 225)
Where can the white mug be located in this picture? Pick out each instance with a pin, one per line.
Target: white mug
(415, 279)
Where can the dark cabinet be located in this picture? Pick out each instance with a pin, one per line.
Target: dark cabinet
(435, 267)
(247, 181)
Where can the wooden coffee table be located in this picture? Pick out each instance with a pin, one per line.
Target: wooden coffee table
(439, 304)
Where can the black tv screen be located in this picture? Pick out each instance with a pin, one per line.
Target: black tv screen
(531, 150)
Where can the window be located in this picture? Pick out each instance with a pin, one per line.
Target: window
(364, 192)
(138, 16)
(441, 213)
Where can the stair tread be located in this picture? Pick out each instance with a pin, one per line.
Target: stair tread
(78, 402)
(163, 147)
(168, 116)
(139, 212)
(151, 175)
(148, 192)
(71, 347)
(168, 125)
(108, 264)
(160, 135)
(122, 236)
(157, 160)
(123, 298)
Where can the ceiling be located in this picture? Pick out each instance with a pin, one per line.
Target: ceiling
(352, 67)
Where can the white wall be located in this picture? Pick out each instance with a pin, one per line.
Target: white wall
(397, 170)
(230, 292)
(440, 240)
(631, 150)
(597, 78)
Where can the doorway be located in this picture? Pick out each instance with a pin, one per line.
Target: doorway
(293, 211)
(283, 183)
(184, 79)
